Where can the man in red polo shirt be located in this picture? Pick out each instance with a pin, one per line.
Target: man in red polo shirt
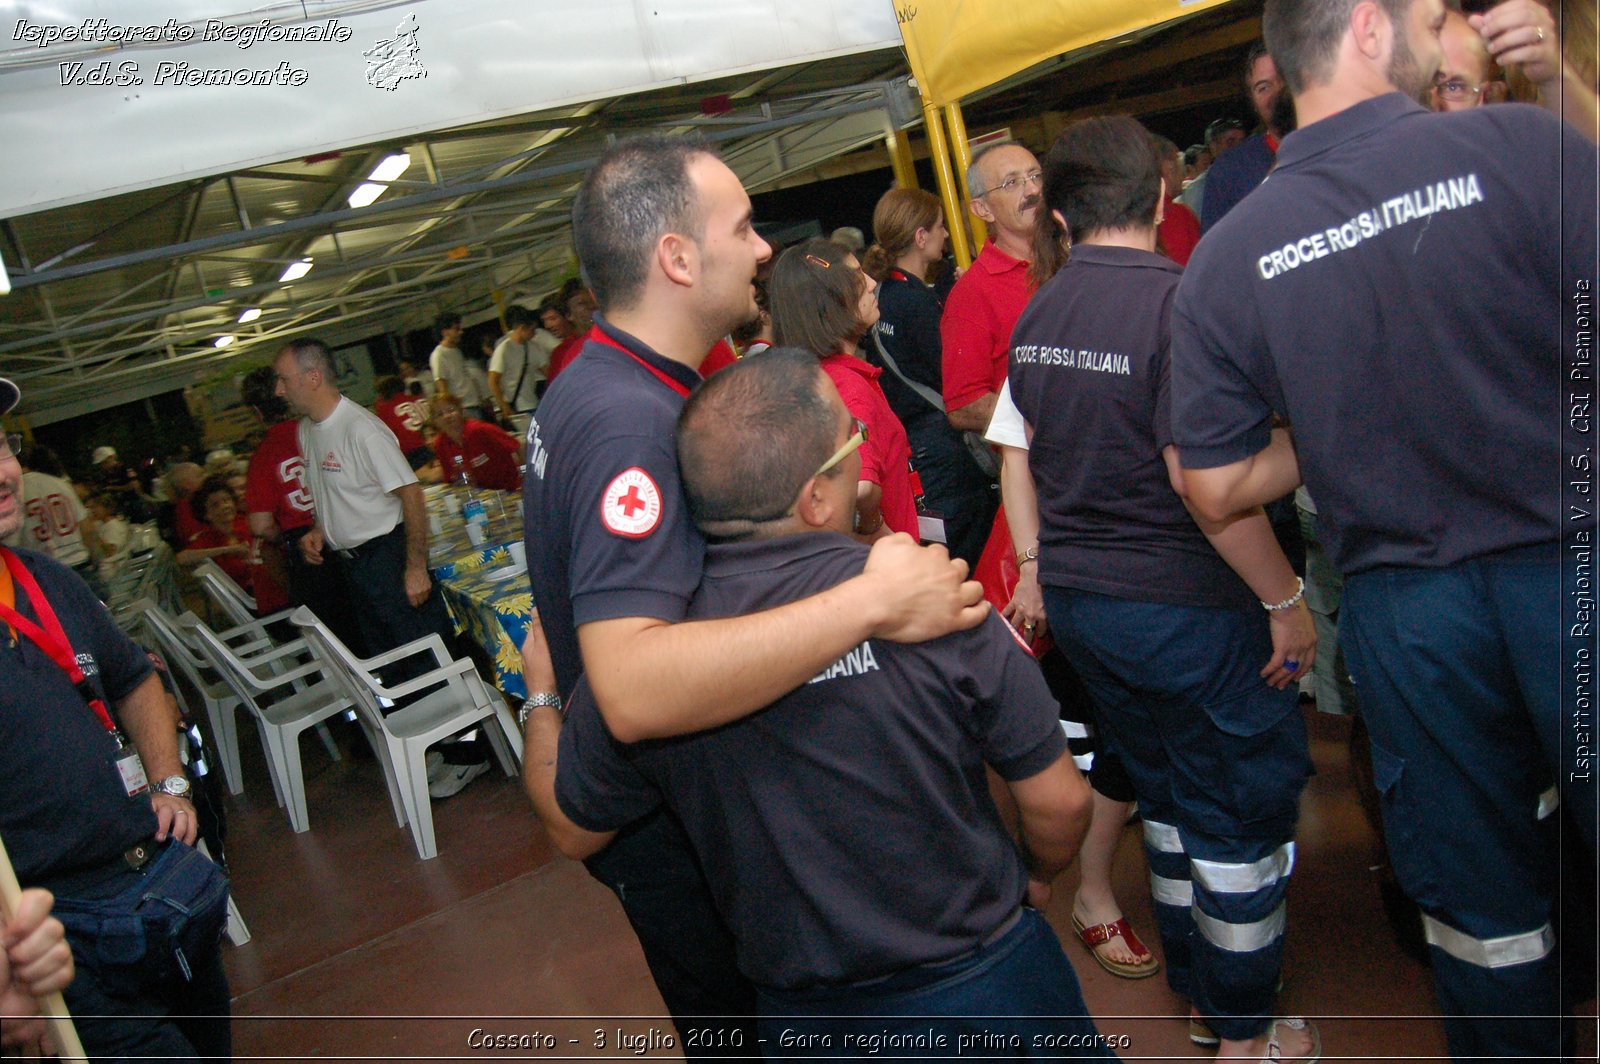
(1003, 183)
(491, 456)
(405, 414)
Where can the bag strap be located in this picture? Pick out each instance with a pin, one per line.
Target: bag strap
(516, 393)
(927, 394)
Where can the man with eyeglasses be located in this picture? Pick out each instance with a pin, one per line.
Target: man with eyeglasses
(975, 330)
(97, 811)
(846, 830)
(664, 231)
(1519, 33)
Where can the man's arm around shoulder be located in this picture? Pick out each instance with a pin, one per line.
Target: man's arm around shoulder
(653, 679)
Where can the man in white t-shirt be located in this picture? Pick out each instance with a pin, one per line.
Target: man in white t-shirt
(371, 530)
(518, 364)
(372, 523)
(449, 365)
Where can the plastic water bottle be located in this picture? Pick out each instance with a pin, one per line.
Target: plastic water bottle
(472, 509)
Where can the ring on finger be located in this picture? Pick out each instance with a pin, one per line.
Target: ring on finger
(1540, 31)
(1291, 664)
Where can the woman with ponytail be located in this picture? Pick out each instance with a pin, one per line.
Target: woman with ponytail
(908, 227)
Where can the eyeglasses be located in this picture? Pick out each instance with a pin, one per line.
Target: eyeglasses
(10, 445)
(1032, 177)
(1457, 90)
(852, 444)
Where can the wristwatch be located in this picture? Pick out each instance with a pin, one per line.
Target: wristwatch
(541, 698)
(177, 786)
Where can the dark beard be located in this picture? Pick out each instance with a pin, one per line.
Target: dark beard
(1405, 73)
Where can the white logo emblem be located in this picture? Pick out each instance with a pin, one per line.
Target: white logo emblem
(631, 505)
(393, 61)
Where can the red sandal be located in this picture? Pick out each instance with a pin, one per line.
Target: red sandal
(1146, 966)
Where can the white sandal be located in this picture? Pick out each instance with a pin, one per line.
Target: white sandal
(1293, 1023)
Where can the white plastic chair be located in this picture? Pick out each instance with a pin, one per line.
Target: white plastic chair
(463, 701)
(221, 704)
(284, 703)
(234, 602)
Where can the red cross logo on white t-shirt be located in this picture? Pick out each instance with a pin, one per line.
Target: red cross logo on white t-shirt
(631, 504)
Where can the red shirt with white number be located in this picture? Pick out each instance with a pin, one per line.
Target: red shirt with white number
(276, 482)
(405, 415)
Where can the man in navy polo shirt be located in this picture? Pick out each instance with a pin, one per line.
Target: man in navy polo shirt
(847, 829)
(1409, 291)
(1233, 176)
(97, 811)
(663, 230)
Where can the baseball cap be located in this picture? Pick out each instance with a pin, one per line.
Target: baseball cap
(101, 454)
(1221, 126)
(10, 395)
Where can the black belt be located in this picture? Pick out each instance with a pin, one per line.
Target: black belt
(352, 553)
(133, 859)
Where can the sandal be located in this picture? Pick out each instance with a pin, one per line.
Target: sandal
(1146, 966)
(1293, 1023)
(1201, 1034)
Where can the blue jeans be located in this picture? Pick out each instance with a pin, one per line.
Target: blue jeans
(1218, 760)
(1016, 997)
(1459, 672)
(954, 486)
(149, 980)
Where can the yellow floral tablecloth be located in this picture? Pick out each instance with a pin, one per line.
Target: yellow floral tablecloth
(494, 614)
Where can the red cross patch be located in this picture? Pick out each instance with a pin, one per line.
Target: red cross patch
(631, 504)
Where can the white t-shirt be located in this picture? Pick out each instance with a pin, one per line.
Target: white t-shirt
(353, 462)
(1007, 427)
(525, 361)
(51, 513)
(450, 365)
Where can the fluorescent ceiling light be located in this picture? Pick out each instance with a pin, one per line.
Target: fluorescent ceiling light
(295, 271)
(377, 182)
(391, 167)
(250, 315)
(365, 193)
(223, 341)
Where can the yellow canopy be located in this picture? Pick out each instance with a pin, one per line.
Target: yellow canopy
(957, 47)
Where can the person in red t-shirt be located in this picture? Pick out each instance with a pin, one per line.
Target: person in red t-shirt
(405, 414)
(279, 511)
(1177, 226)
(823, 303)
(225, 539)
(578, 313)
(491, 456)
(1003, 184)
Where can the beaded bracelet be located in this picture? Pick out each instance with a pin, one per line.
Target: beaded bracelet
(1292, 600)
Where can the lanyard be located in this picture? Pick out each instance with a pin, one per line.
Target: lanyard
(51, 638)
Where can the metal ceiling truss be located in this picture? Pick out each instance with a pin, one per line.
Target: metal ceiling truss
(85, 348)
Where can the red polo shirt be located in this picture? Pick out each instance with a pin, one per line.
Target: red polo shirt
(975, 331)
(488, 452)
(886, 456)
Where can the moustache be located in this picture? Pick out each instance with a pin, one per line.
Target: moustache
(1029, 202)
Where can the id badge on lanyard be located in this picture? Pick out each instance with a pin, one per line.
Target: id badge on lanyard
(51, 638)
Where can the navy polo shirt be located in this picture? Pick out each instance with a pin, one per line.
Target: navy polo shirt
(607, 526)
(1089, 371)
(846, 830)
(1233, 177)
(908, 328)
(65, 808)
(1396, 289)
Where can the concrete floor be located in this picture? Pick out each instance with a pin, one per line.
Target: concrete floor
(362, 950)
